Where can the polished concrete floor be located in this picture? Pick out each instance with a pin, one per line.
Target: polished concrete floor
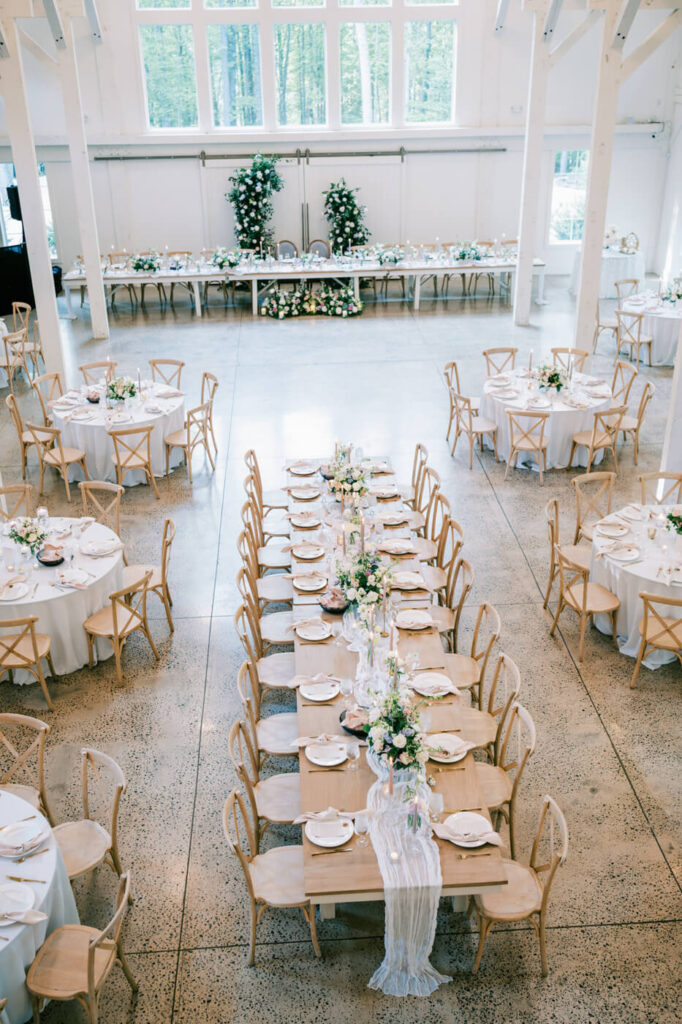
(609, 755)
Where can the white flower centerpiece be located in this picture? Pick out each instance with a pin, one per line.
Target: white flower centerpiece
(395, 739)
(348, 482)
(363, 578)
(149, 263)
(121, 388)
(226, 258)
(390, 256)
(28, 534)
(550, 378)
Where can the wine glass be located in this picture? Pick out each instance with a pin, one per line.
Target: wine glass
(436, 805)
(362, 829)
(353, 750)
(347, 693)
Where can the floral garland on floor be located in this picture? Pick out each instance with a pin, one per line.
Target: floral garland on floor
(250, 196)
(345, 216)
(303, 301)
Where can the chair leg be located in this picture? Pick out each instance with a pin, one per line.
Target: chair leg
(543, 950)
(43, 686)
(89, 636)
(552, 577)
(35, 1006)
(559, 606)
(145, 630)
(167, 460)
(126, 970)
(638, 665)
(65, 474)
(471, 451)
(117, 655)
(313, 929)
(484, 927)
(252, 945)
(153, 482)
(165, 597)
(583, 625)
(573, 448)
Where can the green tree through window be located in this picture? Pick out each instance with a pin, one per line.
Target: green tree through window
(300, 73)
(365, 51)
(429, 70)
(234, 55)
(168, 57)
(569, 190)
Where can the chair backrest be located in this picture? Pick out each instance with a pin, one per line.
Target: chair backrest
(593, 495)
(662, 628)
(428, 486)
(247, 552)
(527, 428)
(247, 687)
(196, 425)
(607, 424)
(47, 386)
(22, 748)
(179, 252)
(129, 605)
(629, 327)
(517, 744)
(16, 345)
(167, 370)
(102, 780)
(419, 462)
(91, 371)
(21, 312)
(46, 439)
(626, 287)
(14, 412)
(319, 247)
(505, 686)
(246, 585)
(241, 833)
(107, 940)
(450, 543)
(568, 358)
(499, 359)
(623, 378)
(463, 411)
(550, 846)
(457, 590)
(251, 460)
(118, 258)
(486, 634)
(285, 249)
(209, 386)
(451, 374)
(18, 501)
(130, 444)
(249, 636)
(437, 510)
(574, 577)
(552, 519)
(104, 500)
(647, 394)
(166, 547)
(660, 488)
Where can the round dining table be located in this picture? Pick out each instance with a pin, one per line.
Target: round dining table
(61, 609)
(52, 895)
(570, 411)
(86, 426)
(615, 266)
(634, 562)
(662, 322)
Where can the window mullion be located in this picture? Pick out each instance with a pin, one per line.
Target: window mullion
(268, 83)
(397, 111)
(202, 69)
(333, 84)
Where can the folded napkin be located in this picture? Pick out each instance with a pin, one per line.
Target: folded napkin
(52, 550)
(169, 393)
(331, 814)
(446, 832)
(408, 580)
(326, 737)
(356, 718)
(17, 849)
(12, 580)
(24, 916)
(153, 408)
(455, 746)
(98, 549)
(304, 622)
(616, 545)
(426, 687)
(66, 579)
(575, 403)
(318, 682)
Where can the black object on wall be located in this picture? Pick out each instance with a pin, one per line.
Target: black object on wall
(15, 277)
(14, 203)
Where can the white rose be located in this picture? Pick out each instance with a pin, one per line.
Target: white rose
(399, 741)
(351, 594)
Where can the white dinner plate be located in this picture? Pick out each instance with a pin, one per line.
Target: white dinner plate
(73, 576)
(24, 836)
(14, 592)
(121, 417)
(398, 547)
(83, 414)
(310, 584)
(326, 755)
(613, 529)
(304, 468)
(451, 745)
(320, 691)
(507, 393)
(329, 833)
(431, 684)
(304, 521)
(501, 381)
(413, 618)
(305, 493)
(468, 821)
(408, 579)
(633, 513)
(539, 403)
(628, 554)
(15, 897)
(318, 630)
(383, 493)
(307, 552)
(100, 549)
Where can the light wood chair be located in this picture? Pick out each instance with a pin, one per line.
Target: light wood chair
(158, 583)
(34, 349)
(526, 894)
(14, 355)
(593, 497)
(274, 671)
(276, 800)
(584, 598)
(497, 699)
(194, 434)
(21, 312)
(168, 371)
(268, 499)
(118, 260)
(456, 591)
(670, 485)
(22, 648)
(439, 577)
(74, 962)
(436, 512)
(630, 335)
(125, 614)
(451, 374)
(660, 628)
(274, 588)
(623, 378)
(102, 500)
(576, 552)
(603, 323)
(132, 450)
(527, 436)
(567, 358)
(274, 523)
(220, 282)
(87, 843)
(497, 360)
(52, 383)
(271, 557)
(420, 461)
(286, 250)
(52, 454)
(274, 735)
(276, 628)
(18, 501)
(273, 879)
(24, 437)
(602, 437)
(486, 248)
(469, 669)
(499, 782)
(633, 424)
(209, 386)
(22, 757)
(626, 287)
(90, 372)
(427, 488)
(159, 285)
(473, 427)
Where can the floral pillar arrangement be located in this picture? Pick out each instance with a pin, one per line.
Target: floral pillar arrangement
(346, 218)
(251, 200)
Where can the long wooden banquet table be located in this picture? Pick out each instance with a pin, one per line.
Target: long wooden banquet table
(354, 877)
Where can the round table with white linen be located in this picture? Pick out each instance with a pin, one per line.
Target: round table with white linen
(53, 898)
(655, 565)
(569, 412)
(62, 610)
(662, 322)
(615, 266)
(86, 426)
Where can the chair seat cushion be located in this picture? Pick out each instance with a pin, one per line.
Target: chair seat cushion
(27, 793)
(277, 876)
(520, 897)
(495, 784)
(178, 439)
(276, 628)
(133, 573)
(275, 588)
(70, 455)
(276, 670)
(60, 968)
(628, 423)
(130, 461)
(464, 671)
(272, 557)
(83, 845)
(278, 798)
(275, 499)
(531, 444)
(666, 641)
(276, 734)
(434, 577)
(480, 425)
(426, 549)
(584, 438)
(578, 553)
(599, 599)
(23, 651)
(608, 323)
(102, 622)
(443, 617)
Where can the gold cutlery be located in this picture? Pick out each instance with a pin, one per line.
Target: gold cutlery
(317, 703)
(29, 818)
(461, 768)
(36, 853)
(311, 770)
(463, 856)
(4, 938)
(323, 853)
(17, 878)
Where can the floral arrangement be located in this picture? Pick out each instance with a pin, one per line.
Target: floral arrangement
(345, 216)
(120, 388)
(466, 251)
(674, 523)
(672, 294)
(150, 263)
(390, 256)
(250, 196)
(28, 534)
(337, 302)
(226, 258)
(348, 481)
(550, 377)
(363, 578)
(302, 301)
(395, 666)
(394, 734)
(611, 236)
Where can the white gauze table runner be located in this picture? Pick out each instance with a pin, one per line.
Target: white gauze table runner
(412, 887)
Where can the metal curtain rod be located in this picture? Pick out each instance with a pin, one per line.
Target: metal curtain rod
(306, 154)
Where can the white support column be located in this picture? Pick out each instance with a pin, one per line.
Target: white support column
(13, 89)
(671, 457)
(669, 255)
(601, 152)
(532, 167)
(80, 170)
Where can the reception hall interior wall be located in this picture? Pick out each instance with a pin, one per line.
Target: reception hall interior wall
(180, 203)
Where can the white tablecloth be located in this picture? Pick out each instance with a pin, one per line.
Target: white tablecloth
(54, 899)
(626, 581)
(662, 322)
(615, 266)
(564, 421)
(61, 613)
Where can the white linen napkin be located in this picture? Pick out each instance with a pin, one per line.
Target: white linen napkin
(17, 849)
(325, 737)
(167, 392)
(331, 814)
(24, 916)
(445, 832)
(456, 746)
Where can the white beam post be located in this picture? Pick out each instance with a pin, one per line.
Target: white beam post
(532, 167)
(12, 86)
(671, 456)
(669, 255)
(80, 170)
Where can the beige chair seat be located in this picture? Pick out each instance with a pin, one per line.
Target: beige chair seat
(485, 724)
(629, 423)
(517, 899)
(27, 793)
(443, 617)
(599, 599)
(531, 444)
(278, 798)
(102, 622)
(416, 520)
(131, 461)
(608, 323)
(277, 733)
(426, 549)
(584, 438)
(133, 573)
(464, 671)
(276, 670)
(276, 628)
(275, 525)
(480, 425)
(277, 876)
(275, 499)
(272, 557)
(60, 967)
(578, 553)
(434, 577)
(70, 455)
(23, 650)
(275, 588)
(495, 784)
(83, 845)
(663, 640)
(178, 439)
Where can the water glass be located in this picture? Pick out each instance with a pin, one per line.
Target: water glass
(362, 829)
(436, 805)
(353, 750)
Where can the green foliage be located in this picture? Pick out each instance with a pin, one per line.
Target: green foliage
(250, 195)
(303, 301)
(345, 216)
(234, 59)
(429, 70)
(168, 56)
(300, 61)
(365, 65)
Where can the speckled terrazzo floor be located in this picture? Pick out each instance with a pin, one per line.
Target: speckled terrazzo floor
(610, 756)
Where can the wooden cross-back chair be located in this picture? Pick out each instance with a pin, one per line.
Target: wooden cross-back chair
(451, 374)
(496, 702)
(169, 371)
(21, 312)
(90, 377)
(270, 527)
(450, 542)
(52, 454)
(195, 434)
(209, 386)
(434, 517)
(274, 588)
(273, 672)
(584, 598)
(158, 583)
(428, 486)
(275, 735)
(602, 437)
(103, 499)
(633, 424)
(53, 390)
(670, 485)
(119, 260)
(276, 629)
(603, 323)
(567, 358)
(126, 613)
(471, 668)
(527, 437)
(18, 499)
(593, 497)
(275, 499)
(419, 466)
(473, 427)
(187, 256)
(623, 378)
(24, 437)
(458, 584)
(22, 741)
(497, 360)
(159, 285)
(630, 335)
(132, 450)
(577, 553)
(275, 800)
(22, 648)
(13, 356)
(499, 781)
(660, 630)
(626, 287)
